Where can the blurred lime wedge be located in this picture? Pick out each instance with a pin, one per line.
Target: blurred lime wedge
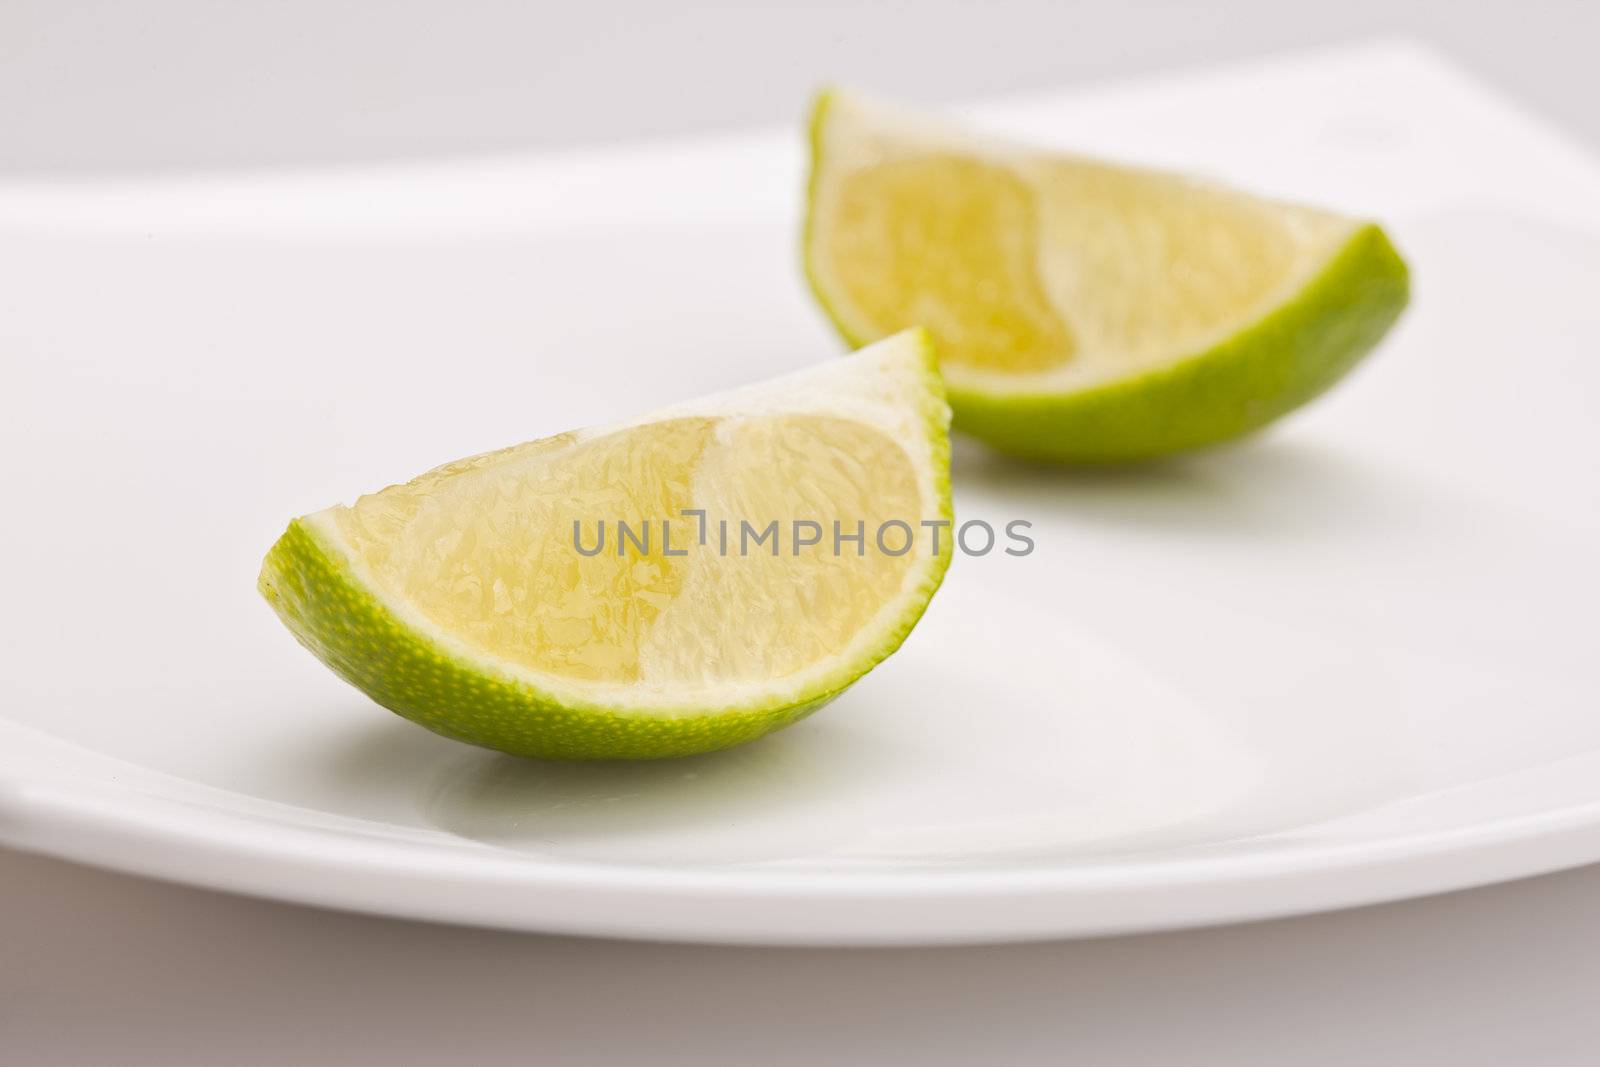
(1086, 312)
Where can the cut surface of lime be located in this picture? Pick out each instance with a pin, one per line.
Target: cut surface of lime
(675, 584)
(1086, 311)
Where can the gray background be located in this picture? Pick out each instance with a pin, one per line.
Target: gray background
(100, 968)
(162, 83)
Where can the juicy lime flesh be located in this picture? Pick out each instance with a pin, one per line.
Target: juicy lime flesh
(950, 244)
(485, 551)
(1057, 263)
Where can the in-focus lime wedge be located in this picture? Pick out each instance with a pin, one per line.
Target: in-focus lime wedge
(480, 601)
(1086, 312)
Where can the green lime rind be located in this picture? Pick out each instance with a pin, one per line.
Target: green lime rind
(1262, 372)
(312, 586)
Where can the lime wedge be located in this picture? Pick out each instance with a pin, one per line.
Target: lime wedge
(780, 543)
(1086, 312)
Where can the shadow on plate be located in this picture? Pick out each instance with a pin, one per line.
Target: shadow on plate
(1264, 488)
(671, 810)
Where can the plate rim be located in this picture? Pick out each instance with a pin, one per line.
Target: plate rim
(137, 831)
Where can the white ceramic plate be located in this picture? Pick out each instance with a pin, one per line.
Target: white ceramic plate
(1349, 661)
